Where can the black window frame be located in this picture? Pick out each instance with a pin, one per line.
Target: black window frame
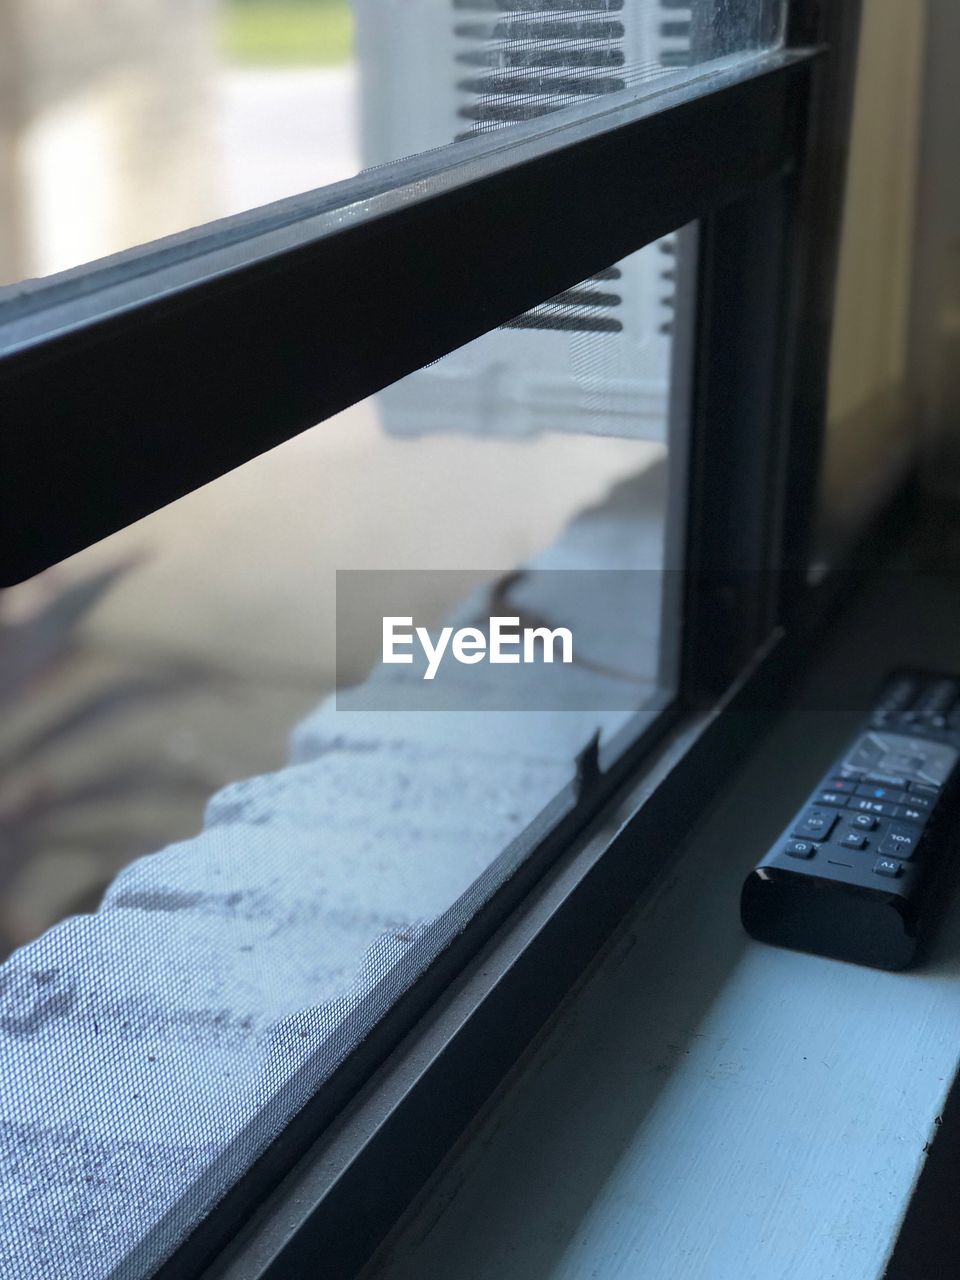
(128, 383)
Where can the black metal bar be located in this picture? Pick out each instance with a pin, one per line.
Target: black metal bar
(763, 351)
(738, 432)
(127, 385)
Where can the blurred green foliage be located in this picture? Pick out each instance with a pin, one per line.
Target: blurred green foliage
(287, 33)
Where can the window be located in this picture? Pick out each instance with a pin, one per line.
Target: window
(146, 123)
(527, 476)
(550, 370)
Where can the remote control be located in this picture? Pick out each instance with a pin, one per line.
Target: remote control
(855, 873)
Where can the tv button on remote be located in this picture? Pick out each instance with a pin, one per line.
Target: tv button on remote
(887, 867)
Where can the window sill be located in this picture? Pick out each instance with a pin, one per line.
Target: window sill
(706, 1106)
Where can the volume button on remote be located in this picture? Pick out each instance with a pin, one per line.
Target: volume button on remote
(900, 841)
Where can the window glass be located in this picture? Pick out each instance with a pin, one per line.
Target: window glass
(125, 120)
(232, 829)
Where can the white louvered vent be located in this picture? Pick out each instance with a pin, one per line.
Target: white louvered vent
(596, 358)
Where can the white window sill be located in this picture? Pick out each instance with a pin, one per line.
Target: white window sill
(707, 1108)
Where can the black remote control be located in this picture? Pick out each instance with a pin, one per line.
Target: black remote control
(855, 874)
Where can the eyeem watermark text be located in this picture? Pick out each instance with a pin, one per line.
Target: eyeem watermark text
(504, 642)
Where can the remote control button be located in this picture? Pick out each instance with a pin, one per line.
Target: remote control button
(815, 824)
(801, 849)
(882, 793)
(847, 785)
(879, 807)
(907, 813)
(854, 841)
(864, 822)
(900, 841)
(887, 867)
(920, 792)
(923, 803)
(833, 799)
(886, 780)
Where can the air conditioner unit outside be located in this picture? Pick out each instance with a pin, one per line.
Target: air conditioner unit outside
(596, 359)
